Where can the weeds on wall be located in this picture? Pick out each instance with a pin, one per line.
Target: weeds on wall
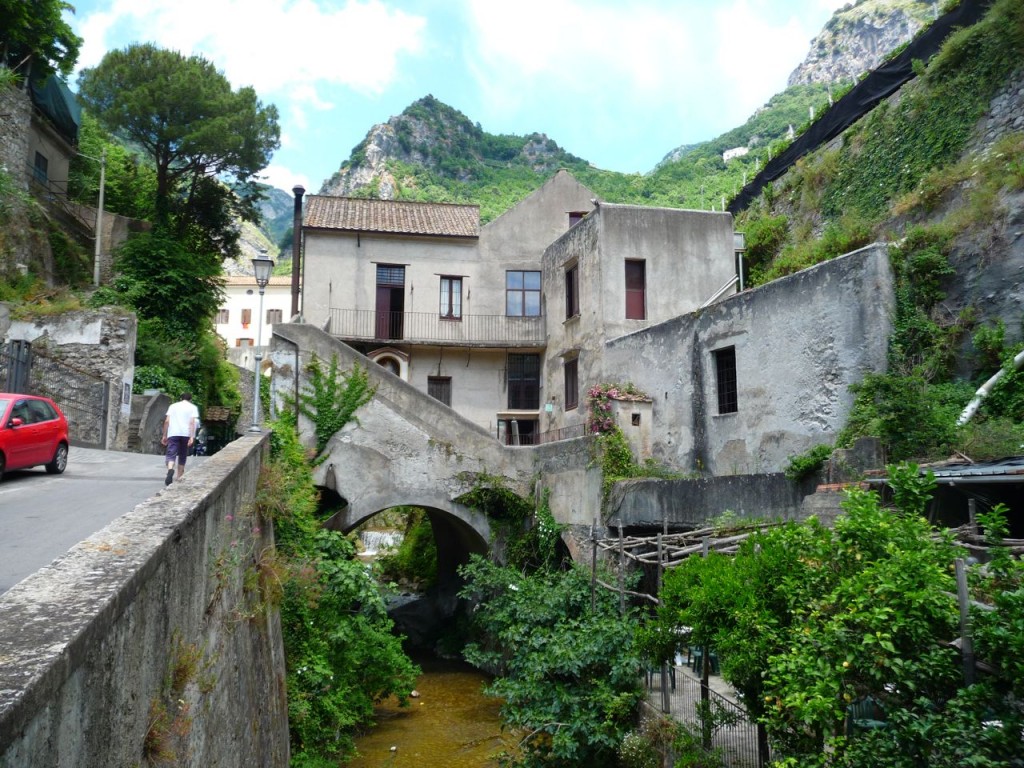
(170, 712)
(331, 398)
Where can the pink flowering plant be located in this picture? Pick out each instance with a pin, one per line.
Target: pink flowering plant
(600, 398)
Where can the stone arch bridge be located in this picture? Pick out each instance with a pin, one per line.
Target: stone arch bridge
(406, 448)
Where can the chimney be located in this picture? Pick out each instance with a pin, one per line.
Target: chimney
(299, 191)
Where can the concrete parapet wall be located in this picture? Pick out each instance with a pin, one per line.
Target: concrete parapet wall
(152, 637)
(692, 503)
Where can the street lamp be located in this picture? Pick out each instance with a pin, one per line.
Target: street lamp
(261, 267)
(102, 160)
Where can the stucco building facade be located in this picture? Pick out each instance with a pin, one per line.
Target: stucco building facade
(510, 324)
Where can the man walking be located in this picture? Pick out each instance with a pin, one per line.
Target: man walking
(179, 434)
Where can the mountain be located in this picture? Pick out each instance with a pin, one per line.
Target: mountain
(434, 152)
(859, 36)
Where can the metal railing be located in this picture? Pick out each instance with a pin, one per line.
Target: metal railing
(428, 327)
(732, 734)
(55, 194)
(565, 433)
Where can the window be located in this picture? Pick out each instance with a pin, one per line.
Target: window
(222, 316)
(522, 294)
(275, 316)
(523, 382)
(636, 290)
(570, 372)
(243, 342)
(246, 317)
(440, 388)
(451, 298)
(725, 378)
(40, 411)
(576, 216)
(572, 291)
(41, 168)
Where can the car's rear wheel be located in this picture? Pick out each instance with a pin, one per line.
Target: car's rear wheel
(60, 460)
(3, 464)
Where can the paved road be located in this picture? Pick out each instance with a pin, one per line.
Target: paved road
(42, 516)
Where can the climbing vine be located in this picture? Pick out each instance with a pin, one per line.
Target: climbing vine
(332, 397)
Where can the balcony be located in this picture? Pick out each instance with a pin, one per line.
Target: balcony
(429, 328)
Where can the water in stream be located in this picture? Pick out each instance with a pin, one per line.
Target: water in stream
(451, 725)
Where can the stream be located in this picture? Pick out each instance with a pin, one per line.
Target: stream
(450, 725)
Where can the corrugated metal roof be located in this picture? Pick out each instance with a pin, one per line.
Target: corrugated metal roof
(1013, 465)
(397, 217)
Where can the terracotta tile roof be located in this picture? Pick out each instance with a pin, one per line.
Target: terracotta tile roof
(250, 282)
(398, 217)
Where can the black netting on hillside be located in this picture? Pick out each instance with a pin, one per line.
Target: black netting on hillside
(879, 84)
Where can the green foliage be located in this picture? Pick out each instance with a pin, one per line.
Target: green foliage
(129, 178)
(808, 463)
(912, 418)
(567, 674)
(332, 397)
(536, 547)
(162, 280)
(341, 655)
(36, 37)
(896, 146)
(764, 239)
(807, 621)
(206, 131)
(157, 377)
(72, 265)
(415, 560)
(491, 496)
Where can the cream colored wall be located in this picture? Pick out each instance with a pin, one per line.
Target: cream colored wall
(242, 293)
(341, 271)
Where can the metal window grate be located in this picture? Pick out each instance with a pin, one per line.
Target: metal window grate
(390, 274)
(725, 376)
(440, 388)
(523, 382)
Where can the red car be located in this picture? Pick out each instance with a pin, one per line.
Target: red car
(33, 431)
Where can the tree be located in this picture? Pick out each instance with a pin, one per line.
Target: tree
(184, 115)
(35, 40)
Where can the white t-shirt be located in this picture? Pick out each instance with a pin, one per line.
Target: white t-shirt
(180, 419)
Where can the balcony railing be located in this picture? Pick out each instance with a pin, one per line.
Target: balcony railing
(429, 328)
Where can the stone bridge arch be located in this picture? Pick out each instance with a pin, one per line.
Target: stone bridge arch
(406, 448)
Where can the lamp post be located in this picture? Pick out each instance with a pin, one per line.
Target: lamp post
(102, 160)
(262, 267)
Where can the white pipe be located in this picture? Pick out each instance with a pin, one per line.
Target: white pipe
(985, 390)
(723, 289)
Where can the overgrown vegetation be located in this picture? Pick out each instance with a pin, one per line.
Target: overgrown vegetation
(331, 398)
(810, 623)
(566, 671)
(341, 654)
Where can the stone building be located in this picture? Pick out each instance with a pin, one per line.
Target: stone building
(511, 324)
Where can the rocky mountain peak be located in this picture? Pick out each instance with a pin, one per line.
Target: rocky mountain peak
(433, 135)
(859, 36)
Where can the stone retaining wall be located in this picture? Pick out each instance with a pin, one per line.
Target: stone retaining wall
(152, 642)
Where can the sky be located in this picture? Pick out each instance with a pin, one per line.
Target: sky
(619, 83)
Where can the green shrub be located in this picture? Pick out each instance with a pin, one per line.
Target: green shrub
(807, 463)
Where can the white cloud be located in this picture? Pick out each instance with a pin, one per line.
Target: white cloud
(273, 45)
(284, 178)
